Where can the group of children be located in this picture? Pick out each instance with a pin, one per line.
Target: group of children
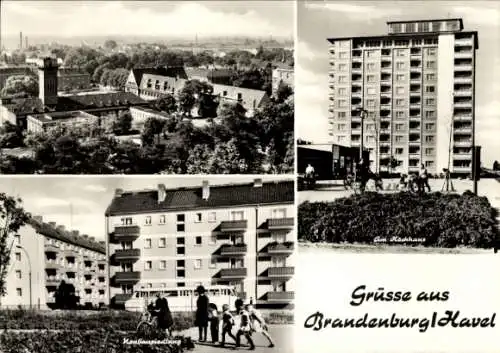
(250, 321)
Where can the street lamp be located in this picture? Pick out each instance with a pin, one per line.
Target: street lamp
(29, 274)
(362, 113)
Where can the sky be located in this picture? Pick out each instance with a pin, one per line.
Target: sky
(155, 18)
(319, 20)
(79, 202)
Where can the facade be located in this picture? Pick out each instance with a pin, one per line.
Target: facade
(16, 110)
(250, 99)
(282, 76)
(52, 254)
(44, 122)
(141, 114)
(240, 235)
(72, 79)
(415, 84)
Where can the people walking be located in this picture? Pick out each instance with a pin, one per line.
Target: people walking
(227, 324)
(258, 324)
(202, 314)
(245, 328)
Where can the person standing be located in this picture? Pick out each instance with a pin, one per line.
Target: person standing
(213, 316)
(258, 324)
(227, 324)
(423, 179)
(163, 313)
(202, 313)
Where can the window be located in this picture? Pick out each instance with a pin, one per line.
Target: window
(429, 138)
(162, 219)
(370, 53)
(181, 250)
(431, 51)
(147, 243)
(181, 226)
(148, 265)
(400, 65)
(342, 91)
(147, 221)
(19, 292)
(18, 274)
(371, 91)
(398, 138)
(340, 139)
(212, 240)
(180, 263)
(18, 256)
(400, 127)
(341, 127)
(198, 240)
(370, 66)
(279, 213)
(370, 78)
(163, 265)
(126, 221)
(430, 101)
(181, 241)
(400, 77)
(400, 114)
(197, 264)
(212, 217)
(399, 151)
(429, 151)
(400, 52)
(343, 55)
(431, 64)
(162, 242)
(370, 138)
(429, 114)
(342, 79)
(198, 218)
(17, 238)
(341, 115)
(240, 96)
(400, 102)
(430, 89)
(400, 90)
(237, 215)
(342, 103)
(342, 67)
(370, 127)
(213, 262)
(429, 126)
(181, 273)
(430, 77)
(370, 102)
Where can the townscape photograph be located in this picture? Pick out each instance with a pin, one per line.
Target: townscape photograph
(146, 87)
(147, 264)
(397, 126)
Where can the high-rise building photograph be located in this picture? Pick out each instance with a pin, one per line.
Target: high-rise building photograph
(397, 111)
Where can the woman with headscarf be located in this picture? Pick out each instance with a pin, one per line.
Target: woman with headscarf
(202, 313)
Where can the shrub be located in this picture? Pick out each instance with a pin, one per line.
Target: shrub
(444, 220)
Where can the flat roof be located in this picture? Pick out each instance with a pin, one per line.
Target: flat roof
(432, 20)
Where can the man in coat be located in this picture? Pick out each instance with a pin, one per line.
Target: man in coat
(165, 320)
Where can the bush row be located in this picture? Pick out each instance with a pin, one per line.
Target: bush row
(442, 220)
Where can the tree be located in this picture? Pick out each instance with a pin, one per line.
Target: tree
(496, 166)
(20, 86)
(11, 136)
(12, 218)
(166, 104)
(65, 297)
(123, 124)
(110, 44)
(284, 91)
(153, 127)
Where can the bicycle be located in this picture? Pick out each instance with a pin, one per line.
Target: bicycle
(148, 328)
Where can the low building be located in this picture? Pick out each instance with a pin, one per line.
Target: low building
(133, 84)
(43, 255)
(141, 114)
(282, 76)
(250, 99)
(240, 235)
(44, 122)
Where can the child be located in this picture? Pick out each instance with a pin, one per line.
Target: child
(227, 324)
(245, 328)
(258, 324)
(213, 316)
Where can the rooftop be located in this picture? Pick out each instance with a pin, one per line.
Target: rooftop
(52, 232)
(153, 111)
(190, 198)
(171, 71)
(55, 116)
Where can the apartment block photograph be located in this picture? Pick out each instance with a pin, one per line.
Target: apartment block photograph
(397, 111)
(102, 251)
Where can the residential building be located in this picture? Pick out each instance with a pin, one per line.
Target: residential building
(282, 75)
(250, 99)
(134, 82)
(16, 110)
(415, 83)
(238, 234)
(48, 254)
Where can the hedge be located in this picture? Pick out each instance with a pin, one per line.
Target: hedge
(443, 220)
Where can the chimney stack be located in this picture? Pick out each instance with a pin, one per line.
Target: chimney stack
(257, 183)
(162, 193)
(205, 190)
(118, 192)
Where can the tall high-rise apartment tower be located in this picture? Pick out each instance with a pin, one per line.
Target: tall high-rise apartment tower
(414, 91)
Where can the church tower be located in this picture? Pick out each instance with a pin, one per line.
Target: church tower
(47, 80)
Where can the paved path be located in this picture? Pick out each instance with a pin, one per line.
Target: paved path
(281, 334)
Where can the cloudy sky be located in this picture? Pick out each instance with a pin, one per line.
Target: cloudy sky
(88, 197)
(156, 18)
(318, 20)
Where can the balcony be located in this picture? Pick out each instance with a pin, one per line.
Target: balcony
(461, 169)
(463, 67)
(280, 248)
(463, 93)
(462, 156)
(462, 117)
(50, 264)
(126, 233)
(464, 42)
(127, 277)
(51, 249)
(463, 130)
(233, 226)
(463, 54)
(233, 273)
(121, 298)
(466, 104)
(464, 143)
(127, 254)
(71, 252)
(280, 296)
(280, 272)
(236, 249)
(280, 223)
(52, 281)
(460, 79)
